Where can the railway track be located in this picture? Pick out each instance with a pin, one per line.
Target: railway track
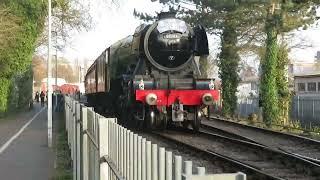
(249, 157)
(303, 147)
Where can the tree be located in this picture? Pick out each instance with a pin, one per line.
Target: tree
(282, 17)
(229, 65)
(9, 26)
(68, 17)
(269, 94)
(39, 69)
(21, 25)
(39, 65)
(284, 96)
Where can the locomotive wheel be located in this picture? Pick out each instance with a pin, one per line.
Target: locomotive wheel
(164, 119)
(185, 124)
(196, 120)
(208, 112)
(151, 120)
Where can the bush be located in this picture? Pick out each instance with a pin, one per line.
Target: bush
(4, 93)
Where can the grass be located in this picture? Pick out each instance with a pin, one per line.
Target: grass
(63, 170)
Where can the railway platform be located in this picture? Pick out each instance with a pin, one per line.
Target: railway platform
(24, 153)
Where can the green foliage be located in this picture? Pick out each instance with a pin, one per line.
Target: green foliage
(17, 51)
(4, 93)
(268, 87)
(17, 56)
(24, 83)
(284, 96)
(229, 68)
(63, 170)
(20, 91)
(21, 25)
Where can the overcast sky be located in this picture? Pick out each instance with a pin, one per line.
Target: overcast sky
(116, 21)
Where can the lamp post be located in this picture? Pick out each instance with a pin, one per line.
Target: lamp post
(56, 64)
(49, 86)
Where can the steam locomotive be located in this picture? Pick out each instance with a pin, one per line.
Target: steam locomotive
(151, 78)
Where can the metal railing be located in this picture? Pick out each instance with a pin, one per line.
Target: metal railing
(102, 149)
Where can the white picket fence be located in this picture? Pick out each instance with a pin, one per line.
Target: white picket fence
(102, 149)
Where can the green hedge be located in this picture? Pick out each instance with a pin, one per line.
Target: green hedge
(4, 94)
(17, 56)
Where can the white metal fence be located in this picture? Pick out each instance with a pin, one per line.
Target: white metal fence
(305, 109)
(247, 106)
(102, 149)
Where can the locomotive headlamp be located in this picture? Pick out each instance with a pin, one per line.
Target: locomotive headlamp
(151, 99)
(207, 99)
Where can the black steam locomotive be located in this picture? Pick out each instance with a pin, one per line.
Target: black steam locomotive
(151, 78)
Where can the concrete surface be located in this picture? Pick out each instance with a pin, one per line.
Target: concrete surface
(27, 157)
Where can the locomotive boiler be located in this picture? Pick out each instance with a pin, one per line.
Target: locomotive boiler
(152, 78)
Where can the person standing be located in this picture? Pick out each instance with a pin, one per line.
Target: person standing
(37, 97)
(42, 96)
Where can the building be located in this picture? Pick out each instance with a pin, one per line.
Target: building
(249, 84)
(307, 84)
(248, 87)
(318, 56)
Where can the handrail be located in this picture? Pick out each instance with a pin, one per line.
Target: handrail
(91, 139)
(113, 167)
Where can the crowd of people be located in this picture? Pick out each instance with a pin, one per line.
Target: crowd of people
(42, 96)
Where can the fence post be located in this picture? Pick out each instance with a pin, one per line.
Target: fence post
(121, 151)
(78, 120)
(302, 101)
(168, 165)
(201, 171)
(187, 169)
(162, 165)
(154, 162)
(313, 109)
(135, 158)
(74, 139)
(131, 157)
(246, 112)
(127, 154)
(298, 107)
(124, 151)
(139, 157)
(103, 144)
(143, 160)
(85, 165)
(177, 167)
(149, 164)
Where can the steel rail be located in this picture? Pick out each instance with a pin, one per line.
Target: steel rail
(295, 138)
(263, 147)
(255, 147)
(270, 131)
(249, 169)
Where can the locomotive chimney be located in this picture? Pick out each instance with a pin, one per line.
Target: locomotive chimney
(165, 15)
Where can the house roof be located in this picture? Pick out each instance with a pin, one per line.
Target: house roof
(307, 75)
